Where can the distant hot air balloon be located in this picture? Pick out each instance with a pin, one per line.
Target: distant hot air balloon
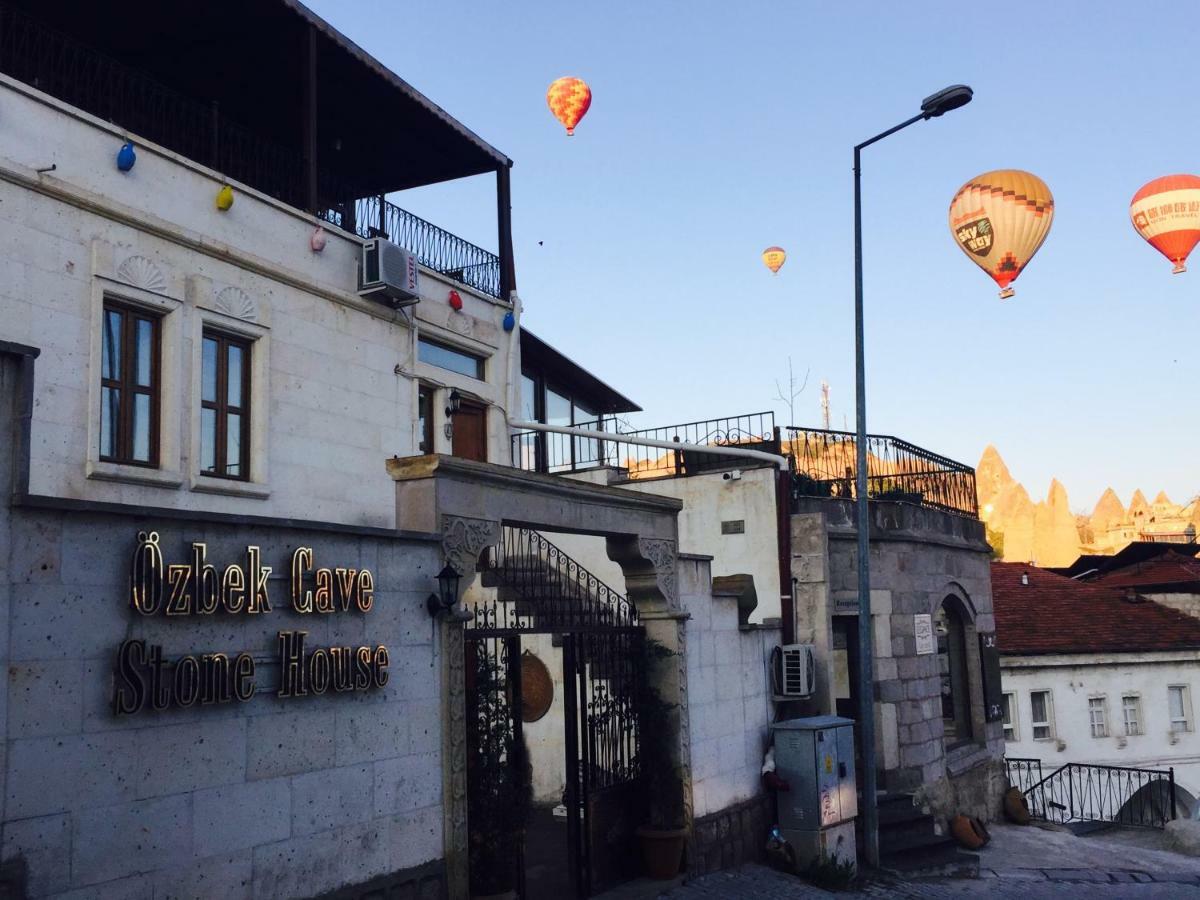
(774, 258)
(1000, 219)
(569, 99)
(1166, 212)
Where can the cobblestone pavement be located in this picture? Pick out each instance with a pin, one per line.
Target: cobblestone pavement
(761, 883)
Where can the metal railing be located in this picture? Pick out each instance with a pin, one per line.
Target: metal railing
(825, 466)
(550, 452)
(1118, 795)
(1022, 773)
(77, 74)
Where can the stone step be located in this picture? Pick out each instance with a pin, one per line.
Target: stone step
(939, 861)
(902, 840)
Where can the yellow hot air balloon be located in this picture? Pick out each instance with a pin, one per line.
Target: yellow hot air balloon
(774, 258)
(1000, 219)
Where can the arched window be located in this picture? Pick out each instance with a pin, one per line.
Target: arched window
(951, 630)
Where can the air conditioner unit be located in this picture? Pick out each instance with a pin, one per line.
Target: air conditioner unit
(793, 670)
(388, 273)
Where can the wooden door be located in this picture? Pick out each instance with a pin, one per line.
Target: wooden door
(470, 432)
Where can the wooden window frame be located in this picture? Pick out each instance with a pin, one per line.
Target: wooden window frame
(1098, 726)
(127, 384)
(1186, 702)
(221, 407)
(1010, 722)
(1132, 702)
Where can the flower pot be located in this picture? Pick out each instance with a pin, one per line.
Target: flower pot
(662, 851)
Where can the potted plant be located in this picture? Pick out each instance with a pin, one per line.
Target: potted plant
(664, 834)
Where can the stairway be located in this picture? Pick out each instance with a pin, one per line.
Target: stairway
(909, 843)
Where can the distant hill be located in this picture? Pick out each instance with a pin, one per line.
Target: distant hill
(1048, 534)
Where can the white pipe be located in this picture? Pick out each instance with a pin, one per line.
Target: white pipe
(716, 450)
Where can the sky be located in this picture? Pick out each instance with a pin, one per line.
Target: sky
(718, 129)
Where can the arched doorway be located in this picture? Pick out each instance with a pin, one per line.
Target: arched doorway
(951, 625)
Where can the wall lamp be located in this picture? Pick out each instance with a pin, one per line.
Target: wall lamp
(443, 601)
(453, 403)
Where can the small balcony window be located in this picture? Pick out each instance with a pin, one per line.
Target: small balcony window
(451, 359)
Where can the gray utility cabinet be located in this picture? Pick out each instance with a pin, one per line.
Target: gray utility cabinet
(816, 757)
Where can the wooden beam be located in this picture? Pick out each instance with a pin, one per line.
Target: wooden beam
(508, 272)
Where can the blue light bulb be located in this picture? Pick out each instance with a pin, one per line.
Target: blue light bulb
(510, 321)
(126, 157)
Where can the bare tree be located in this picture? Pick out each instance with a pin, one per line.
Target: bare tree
(792, 391)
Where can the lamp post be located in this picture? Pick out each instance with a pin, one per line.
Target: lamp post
(936, 105)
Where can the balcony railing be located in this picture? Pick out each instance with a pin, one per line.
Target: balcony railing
(825, 466)
(1119, 795)
(537, 451)
(65, 68)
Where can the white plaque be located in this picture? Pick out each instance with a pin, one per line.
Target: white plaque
(923, 629)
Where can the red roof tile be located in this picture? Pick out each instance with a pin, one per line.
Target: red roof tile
(1053, 614)
(1173, 570)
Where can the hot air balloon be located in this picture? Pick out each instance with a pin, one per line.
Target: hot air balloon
(1166, 212)
(1000, 219)
(774, 258)
(569, 99)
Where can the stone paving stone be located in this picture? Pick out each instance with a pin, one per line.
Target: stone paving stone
(1076, 875)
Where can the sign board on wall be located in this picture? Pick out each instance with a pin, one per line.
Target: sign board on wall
(923, 630)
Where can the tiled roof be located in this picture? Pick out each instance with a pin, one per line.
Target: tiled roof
(1053, 614)
(1182, 572)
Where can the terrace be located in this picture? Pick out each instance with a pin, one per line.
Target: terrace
(270, 97)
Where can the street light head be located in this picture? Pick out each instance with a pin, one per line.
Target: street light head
(945, 100)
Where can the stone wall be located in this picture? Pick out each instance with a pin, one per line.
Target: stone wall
(919, 557)
(732, 836)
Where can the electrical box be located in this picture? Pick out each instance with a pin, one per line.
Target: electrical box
(816, 757)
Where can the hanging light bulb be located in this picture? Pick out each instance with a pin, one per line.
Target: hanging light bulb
(225, 198)
(317, 241)
(510, 321)
(126, 157)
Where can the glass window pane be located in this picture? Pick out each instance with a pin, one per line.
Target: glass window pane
(558, 446)
(1175, 695)
(528, 399)
(452, 360)
(110, 408)
(1038, 703)
(425, 420)
(141, 427)
(558, 408)
(233, 388)
(233, 444)
(208, 367)
(208, 440)
(111, 362)
(145, 352)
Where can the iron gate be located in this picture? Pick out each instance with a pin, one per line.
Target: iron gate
(538, 589)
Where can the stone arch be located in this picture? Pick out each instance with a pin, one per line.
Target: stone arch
(960, 668)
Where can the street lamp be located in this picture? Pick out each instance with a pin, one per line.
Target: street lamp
(931, 107)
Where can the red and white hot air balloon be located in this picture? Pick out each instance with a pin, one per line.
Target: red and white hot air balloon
(1166, 212)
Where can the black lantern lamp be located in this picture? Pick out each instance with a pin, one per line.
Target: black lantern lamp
(453, 403)
(443, 601)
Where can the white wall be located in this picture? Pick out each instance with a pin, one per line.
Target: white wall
(335, 382)
(1073, 680)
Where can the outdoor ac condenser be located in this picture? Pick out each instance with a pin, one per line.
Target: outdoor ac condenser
(389, 273)
(793, 670)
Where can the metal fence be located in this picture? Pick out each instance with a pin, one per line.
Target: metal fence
(825, 466)
(551, 452)
(1023, 773)
(1080, 792)
(132, 100)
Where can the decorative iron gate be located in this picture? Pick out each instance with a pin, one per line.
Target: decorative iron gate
(538, 589)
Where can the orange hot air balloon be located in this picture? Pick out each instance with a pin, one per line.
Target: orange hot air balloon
(1000, 219)
(569, 99)
(1166, 212)
(774, 258)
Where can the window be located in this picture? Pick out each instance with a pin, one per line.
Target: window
(1098, 717)
(1131, 705)
(425, 419)
(952, 669)
(129, 386)
(1011, 732)
(1041, 715)
(1179, 706)
(225, 406)
(450, 359)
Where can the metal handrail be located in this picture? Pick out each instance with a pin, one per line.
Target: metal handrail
(1119, 795)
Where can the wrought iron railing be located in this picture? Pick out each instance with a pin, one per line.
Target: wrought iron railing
(551, 452)
(825, 466)
(547, 591)
(1022, 773)
(75, 73)
(1080, 792)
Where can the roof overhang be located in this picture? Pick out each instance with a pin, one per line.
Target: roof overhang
(536, 353)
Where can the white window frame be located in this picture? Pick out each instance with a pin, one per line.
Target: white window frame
(1098, 724)
(1012, 726)
(1048, 723)
(1186, 703)
(1136, 706)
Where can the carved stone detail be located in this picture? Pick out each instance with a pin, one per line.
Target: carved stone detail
(455, 750)
(685, 726)
(661, 554)
(140, 272)
(463, 539)
(233, 301)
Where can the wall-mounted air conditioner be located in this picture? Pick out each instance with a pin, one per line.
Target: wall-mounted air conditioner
(388, 273)
(793, 671)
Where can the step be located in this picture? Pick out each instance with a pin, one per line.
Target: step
(913, 839)
(900, 813)
(941, 861)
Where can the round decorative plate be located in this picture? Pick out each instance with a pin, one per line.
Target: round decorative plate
(537, 688)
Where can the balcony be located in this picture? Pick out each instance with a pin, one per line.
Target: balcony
(258, 93)
(825, 466)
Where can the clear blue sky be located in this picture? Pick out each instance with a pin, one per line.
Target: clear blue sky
(718, 129)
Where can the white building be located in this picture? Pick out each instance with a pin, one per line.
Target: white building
(1098, 675)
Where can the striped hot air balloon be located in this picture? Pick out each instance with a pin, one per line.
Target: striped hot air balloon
(1166, 212)
(569, 99)
(1000, 219)
(774, 258)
